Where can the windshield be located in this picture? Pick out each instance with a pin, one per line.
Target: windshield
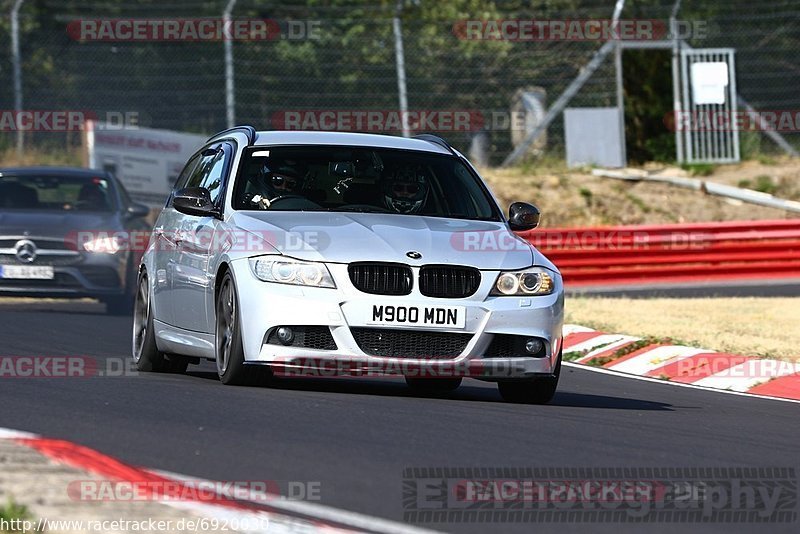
(55, 192)
(352, 179)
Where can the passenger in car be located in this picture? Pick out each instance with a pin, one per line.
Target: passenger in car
(406, 189)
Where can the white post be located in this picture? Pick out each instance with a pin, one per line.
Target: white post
(17, 72)
(619, 80)
(230, 98)
(401, 68)
(676, 82)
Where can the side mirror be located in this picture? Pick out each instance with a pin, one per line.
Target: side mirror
(137, 211)
(194, 201)
(523, 216)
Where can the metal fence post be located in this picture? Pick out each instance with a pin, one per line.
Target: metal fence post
(17, 68)
(572, 89)
(230, 97)
(676, 82)
(401, 67)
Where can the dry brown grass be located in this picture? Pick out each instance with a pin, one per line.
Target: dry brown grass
(573, 198)
(767, 327)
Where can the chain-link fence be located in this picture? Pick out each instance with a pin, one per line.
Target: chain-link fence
(340, 56)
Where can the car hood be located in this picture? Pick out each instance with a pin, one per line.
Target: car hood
(53, 224)
(347, 237)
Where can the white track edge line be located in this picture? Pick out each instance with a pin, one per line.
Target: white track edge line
(316, 511)
(10, 433)
(321, 511)
(620, 374)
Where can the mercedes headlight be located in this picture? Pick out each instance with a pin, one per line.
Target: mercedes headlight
(289, 271)
(530, 282)
(106, 244)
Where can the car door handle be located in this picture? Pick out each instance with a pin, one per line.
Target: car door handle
(158, 230)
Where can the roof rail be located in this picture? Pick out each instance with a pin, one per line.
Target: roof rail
(436, 140)
(246, 129)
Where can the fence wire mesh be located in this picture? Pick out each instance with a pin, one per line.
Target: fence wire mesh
(341, 58)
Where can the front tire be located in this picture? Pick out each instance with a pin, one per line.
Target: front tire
(229, 349)
(531, 391)
(145, 352)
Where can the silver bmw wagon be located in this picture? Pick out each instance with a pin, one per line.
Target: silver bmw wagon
(340, 254)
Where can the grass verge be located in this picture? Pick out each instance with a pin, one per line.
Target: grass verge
(767, 327)
(12, 511)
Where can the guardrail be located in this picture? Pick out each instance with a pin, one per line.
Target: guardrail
(673, 253)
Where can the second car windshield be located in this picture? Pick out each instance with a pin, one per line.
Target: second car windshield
(55, 192)
(322, 178)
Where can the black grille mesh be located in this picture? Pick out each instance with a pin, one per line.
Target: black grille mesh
(49, 244)
(410, 343)
(445, 281)
(11, 259)
(309, 337)
(381, 278)
(509, 346)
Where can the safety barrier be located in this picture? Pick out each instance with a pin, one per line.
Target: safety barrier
(673, 253)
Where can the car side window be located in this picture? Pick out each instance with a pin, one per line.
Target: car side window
(187, 171)
(213, 176)
(209, 172)
(183, 177)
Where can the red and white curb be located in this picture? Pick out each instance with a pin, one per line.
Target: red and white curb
(267, 513)
(682, 365)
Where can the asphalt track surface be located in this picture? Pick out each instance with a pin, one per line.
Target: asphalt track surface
(355, 436)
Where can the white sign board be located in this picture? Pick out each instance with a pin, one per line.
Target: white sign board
(709, 82)
(146, 161)
(585, 146)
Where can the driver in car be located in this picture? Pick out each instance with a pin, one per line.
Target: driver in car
(406, 190)
(272, 184)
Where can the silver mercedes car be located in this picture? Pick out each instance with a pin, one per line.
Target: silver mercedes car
(286, 253)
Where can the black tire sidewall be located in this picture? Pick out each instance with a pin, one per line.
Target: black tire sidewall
(533, 391)
(235, 373)
(150, 359)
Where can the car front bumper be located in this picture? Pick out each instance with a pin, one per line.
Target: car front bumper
(265, 306)
(95, 275)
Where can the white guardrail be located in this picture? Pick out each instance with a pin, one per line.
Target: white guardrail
(712, 188)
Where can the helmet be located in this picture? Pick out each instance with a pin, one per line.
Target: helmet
(281, 180)
(406, 190)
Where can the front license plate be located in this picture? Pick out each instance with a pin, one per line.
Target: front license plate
(426, 316)
(38, 272)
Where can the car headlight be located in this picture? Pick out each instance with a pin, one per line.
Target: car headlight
(288, 271)
(533, 281)
(106, 245)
